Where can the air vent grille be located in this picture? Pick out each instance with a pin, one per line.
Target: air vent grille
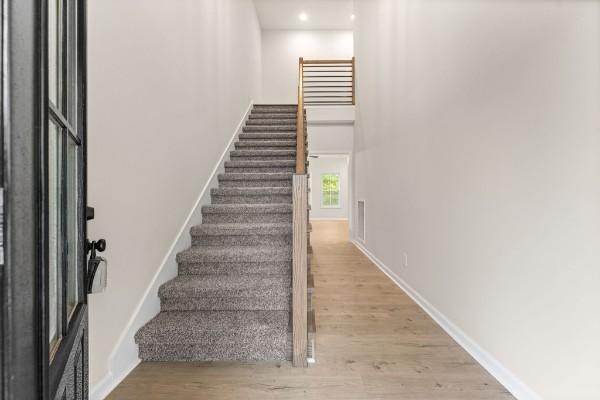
(361, 220)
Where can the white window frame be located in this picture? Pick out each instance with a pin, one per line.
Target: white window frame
(339, 203)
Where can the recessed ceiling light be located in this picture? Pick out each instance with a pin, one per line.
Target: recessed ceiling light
(352, 17)
(303, 16)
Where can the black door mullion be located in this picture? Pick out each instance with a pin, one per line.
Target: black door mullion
(81, 125)
(64, 60)
(64, 248)
(63, 123)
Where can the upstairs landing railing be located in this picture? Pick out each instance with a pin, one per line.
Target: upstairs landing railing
(328, 82)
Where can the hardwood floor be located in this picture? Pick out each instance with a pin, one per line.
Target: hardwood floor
(373, 342)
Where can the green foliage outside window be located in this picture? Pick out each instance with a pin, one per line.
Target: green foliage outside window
(330, 190)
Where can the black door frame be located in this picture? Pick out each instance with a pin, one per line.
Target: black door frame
(24, 321)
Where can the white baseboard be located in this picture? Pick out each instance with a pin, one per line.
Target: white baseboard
(107, 384)
(124, 357)
(487, 361)
(329, 219)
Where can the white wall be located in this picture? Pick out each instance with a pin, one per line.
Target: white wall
(328, 164)
(330, 129)
(478, 153)
(167, 87)
(281, 50)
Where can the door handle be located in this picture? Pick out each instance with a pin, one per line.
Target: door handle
(96, 266)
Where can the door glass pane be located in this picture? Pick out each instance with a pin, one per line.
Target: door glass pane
(72, 62)
(72, 226)
(54, 235)
(54, 44)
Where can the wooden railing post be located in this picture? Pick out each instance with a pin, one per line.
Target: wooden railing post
(299, 238)
(299, 271)
(300, 140)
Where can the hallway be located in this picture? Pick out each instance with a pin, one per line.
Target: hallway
(373, 342)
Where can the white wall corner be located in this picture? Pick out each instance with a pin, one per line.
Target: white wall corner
(506, 378)
(124, 357)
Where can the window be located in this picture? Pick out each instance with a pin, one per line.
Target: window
(330, 191)
(66, 258)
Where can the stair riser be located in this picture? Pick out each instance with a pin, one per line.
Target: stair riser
(283, 113)
(260, 170)
(245, 218)
(241, 240)
(271, 121)
(263, 147)
(277, 144)
(264, 183)
(277, 199)
(269, 128)
(280, 303)
(263, 350)
(267, 136)
(283, 268)
(263, 158)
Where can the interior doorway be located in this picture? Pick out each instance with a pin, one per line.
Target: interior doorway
(329, 186)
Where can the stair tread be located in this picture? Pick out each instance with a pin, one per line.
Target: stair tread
(251, 191)
(245, 152)
(227, 254)
(209, 327)
(266, 121)
(274, 208)
(268, 135)
(280, 115)
(267, 106)
(242, 229)
(260, 163)
(254, 176)
(283, 127)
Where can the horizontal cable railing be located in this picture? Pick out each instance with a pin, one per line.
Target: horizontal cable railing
(328, 82)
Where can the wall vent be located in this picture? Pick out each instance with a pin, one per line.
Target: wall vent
(360, 233)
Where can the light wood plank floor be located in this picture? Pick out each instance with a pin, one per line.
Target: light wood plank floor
(373, 342)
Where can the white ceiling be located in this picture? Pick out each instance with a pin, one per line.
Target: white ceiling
(322, 14)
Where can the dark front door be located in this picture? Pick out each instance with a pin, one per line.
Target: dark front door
(43, 276)
(66, 317)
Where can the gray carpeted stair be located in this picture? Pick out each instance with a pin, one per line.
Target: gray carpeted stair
(273, 115)
(262, 179)
(231, 299)
(215, 336)
(262, 155)
(251, 195)
(261, 166)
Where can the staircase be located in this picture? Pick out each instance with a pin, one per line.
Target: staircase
(232, 297)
